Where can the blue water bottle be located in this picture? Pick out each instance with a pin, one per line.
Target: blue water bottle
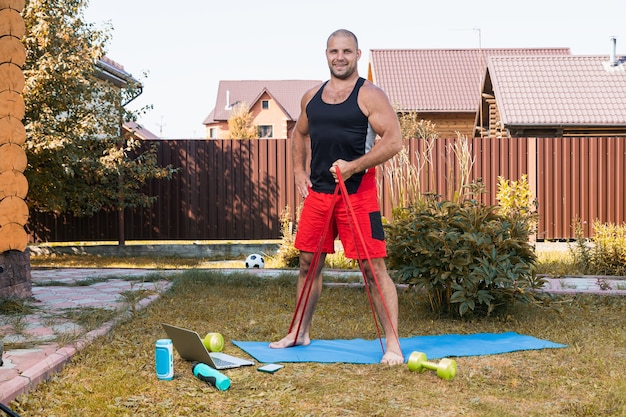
(214, 377)
(164, 356)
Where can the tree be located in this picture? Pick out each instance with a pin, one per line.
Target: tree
(240, 123)
(76, 154)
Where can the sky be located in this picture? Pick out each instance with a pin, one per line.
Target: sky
(181, 50)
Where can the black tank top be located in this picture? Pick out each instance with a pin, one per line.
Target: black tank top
(338, 131)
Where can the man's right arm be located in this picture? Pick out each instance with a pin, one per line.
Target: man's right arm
(301, 148)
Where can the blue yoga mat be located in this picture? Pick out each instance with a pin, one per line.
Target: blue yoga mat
(362, 351)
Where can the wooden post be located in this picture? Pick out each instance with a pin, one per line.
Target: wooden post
(15, 278)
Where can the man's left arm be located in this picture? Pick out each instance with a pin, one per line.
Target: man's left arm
(383, 119)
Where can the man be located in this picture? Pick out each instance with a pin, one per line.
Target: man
(337, 127)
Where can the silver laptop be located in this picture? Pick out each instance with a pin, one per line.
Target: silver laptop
(190, 347)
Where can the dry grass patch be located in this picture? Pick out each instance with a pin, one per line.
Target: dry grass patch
(557, 264)
(115, 375)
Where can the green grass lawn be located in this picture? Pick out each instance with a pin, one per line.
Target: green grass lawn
(115, 375)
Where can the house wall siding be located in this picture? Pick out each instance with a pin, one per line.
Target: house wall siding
(237, 189)
(273, 116)
(222, 130)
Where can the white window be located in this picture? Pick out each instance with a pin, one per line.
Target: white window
(266, 131)
(265, 104)
(212, 133)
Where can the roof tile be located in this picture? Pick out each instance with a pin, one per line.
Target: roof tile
(559, 90)
(438, 80)
(139, 131)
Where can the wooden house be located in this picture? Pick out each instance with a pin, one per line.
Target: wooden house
(554, 96)
(441, 85)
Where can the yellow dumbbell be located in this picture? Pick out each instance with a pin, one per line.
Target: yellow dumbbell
(446, 368)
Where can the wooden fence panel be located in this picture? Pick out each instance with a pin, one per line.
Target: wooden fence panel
(237, 189)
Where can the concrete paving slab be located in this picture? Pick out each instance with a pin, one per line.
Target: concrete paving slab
(24, 369)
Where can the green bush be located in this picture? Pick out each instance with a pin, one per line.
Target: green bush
(605, 254)
(515, 201)
(466, 256)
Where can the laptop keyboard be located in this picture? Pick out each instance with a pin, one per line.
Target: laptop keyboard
(221, 362)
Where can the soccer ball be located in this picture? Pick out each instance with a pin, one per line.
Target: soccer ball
(255, 261)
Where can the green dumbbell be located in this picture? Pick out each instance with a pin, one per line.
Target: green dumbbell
(446, 368)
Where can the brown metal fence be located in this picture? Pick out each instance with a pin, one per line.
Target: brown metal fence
(580, 178)
(224, 189)
(236, 189)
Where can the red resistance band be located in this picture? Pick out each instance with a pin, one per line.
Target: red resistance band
(356, 231)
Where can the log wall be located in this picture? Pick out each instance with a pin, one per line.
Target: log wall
(15, 277)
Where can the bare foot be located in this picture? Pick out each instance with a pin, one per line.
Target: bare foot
(287, 342)
(392, 358)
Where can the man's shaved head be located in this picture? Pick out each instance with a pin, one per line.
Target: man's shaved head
(346, 33)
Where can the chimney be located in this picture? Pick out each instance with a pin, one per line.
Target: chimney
(228, 106)
(613, 60)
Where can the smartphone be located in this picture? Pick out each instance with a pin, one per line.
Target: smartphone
(270, 368)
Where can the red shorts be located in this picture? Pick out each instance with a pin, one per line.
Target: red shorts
(314, 217)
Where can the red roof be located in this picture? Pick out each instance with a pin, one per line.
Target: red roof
(559, 90)
(139, 131)
(438, 80)
(287, 94)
